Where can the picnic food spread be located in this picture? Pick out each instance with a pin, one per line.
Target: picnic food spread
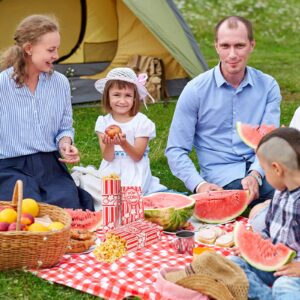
(126, 239)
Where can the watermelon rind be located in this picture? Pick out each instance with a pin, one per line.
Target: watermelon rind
(212, 207)
(170, 218)
(267, 258)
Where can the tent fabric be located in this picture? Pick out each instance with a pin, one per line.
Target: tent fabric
(100, 35)
(159, 18)
(13, 11)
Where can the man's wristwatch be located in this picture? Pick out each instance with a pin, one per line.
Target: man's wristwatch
(257, 177)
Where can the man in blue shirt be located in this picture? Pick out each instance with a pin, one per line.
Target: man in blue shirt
(207, 112)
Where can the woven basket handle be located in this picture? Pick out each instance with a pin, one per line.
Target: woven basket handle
(17, 200)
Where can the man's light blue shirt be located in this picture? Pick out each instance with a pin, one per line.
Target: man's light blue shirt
(31, 123)
(205, 117)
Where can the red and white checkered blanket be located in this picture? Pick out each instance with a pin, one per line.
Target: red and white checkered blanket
(133, 274)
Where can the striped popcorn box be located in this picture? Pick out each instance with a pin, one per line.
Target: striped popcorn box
(111, 203)
(127, 238)
(132, 204)
(138, 234)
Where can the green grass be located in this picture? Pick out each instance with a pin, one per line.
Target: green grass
(276, 25)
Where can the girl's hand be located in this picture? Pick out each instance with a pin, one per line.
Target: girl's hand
(69, 153)
(107, 140)
(120, 139)
(292, 270)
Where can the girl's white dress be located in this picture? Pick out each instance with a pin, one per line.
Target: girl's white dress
(131, 173)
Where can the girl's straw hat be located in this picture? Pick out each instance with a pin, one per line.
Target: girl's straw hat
(128, 75)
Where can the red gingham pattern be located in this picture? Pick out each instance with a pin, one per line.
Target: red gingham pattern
(133, 274)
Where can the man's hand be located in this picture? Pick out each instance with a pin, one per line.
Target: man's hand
(206, 187)
(251, 184)
(292, 269)
(69, 153)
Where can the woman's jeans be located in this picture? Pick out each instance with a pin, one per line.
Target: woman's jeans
(265, 286)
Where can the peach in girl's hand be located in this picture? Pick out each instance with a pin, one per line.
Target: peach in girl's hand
(113, 130)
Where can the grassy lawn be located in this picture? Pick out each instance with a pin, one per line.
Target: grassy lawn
(276, 25)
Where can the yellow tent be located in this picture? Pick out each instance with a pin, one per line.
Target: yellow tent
(98, 35)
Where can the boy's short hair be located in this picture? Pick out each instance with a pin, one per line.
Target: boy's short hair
(121, 85)
(282, 145)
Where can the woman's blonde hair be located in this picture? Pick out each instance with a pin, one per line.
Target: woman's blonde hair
(121, 85)
(28, 31)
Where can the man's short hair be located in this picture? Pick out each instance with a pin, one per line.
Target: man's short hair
(232, 22)
(282, 145)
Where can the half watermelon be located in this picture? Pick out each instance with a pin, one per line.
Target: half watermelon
(264, 256)
(169, 210)
(220, 206)
(251, 135)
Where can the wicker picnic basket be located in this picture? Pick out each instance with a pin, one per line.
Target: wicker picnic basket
(33, 250)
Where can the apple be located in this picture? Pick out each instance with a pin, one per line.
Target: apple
(113, 130)
(13, 226)
(27, 219)
(4, 226)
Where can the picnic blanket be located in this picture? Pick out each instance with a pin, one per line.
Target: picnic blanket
(133, 274)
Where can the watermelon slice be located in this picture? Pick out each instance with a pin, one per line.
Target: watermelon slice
(251, 135)
(220, 206)
(260, 253)
(85, 219)
(169, 210)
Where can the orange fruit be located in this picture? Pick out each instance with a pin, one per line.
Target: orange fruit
(56, 226)
(37, 227)
(8, 215)
(30, 206)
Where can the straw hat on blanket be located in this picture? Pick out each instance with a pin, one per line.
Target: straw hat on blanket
(213, 275)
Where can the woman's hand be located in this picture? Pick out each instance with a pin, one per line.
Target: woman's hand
(69, 153)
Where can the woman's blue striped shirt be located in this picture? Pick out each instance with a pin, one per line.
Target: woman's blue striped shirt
(31, 123)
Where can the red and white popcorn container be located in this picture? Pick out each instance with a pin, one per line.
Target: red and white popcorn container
(138, 234)
(111, 203)
(132, 204)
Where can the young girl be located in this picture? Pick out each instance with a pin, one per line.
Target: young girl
(36, 118)
(126, 154)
